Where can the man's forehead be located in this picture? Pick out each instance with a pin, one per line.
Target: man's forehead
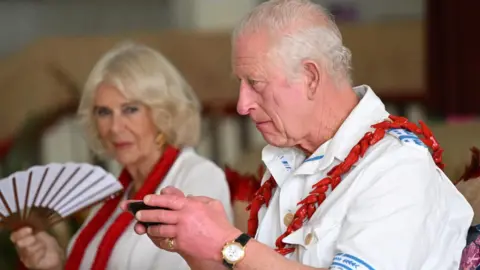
(251, 44)
(250, 50)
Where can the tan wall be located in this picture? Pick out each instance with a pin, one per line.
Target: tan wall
(389, 57)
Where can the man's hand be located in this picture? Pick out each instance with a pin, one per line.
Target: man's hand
(198, 226)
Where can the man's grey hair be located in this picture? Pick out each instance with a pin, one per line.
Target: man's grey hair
(302, 31)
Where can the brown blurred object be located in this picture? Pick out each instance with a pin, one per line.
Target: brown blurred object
(456, 139)
(469, 184)
(387, 56)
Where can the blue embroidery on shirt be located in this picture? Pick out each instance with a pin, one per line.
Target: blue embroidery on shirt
(345, 261)
(339, 266)
(406, 136)
(285, 163)
(314, 158)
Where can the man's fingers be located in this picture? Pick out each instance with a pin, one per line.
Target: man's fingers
(124, 204)
(140, 229)
(169, 201)
(202, 199)
(157, 216)
(172, 191)
(162, 231)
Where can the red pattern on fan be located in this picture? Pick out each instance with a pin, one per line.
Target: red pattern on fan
(472, 171)
(309, 205)
(242, 187)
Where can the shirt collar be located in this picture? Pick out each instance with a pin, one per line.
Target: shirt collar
(283, 162)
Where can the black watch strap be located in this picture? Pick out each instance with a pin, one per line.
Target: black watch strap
(242, 240)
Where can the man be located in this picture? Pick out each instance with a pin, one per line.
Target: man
(386, 206)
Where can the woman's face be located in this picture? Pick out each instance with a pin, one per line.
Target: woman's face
(125, 127)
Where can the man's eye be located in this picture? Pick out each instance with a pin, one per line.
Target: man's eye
(252, 82)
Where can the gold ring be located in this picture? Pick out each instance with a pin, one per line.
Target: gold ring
(171, 243)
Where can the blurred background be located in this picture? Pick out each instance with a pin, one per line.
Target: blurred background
(417, 55)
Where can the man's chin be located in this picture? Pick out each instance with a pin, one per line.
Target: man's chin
(274, 140)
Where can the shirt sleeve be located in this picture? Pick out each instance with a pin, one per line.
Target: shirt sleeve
(207, 179)
(168, 260)
(398, 216)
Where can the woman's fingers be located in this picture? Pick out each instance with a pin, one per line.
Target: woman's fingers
(20, 234)
(27, 241)
(34, 249)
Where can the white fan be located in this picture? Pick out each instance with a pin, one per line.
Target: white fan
(44, 195)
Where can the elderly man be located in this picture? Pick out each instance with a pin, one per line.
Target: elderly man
(347, 185)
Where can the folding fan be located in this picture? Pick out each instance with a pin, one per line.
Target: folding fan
(44, 195)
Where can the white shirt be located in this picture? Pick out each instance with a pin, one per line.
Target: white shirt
(395, 209)
(190, 173)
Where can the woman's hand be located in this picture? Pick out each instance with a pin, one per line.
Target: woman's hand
(38, 251)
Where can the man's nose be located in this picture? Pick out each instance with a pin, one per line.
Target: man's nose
(245, 100)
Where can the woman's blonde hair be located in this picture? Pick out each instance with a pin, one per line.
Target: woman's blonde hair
(145, 75)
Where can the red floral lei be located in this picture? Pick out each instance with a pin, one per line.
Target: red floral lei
(310, 204)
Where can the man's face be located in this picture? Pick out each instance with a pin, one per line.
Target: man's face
(278, 105)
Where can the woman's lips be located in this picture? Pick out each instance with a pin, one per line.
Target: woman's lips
(121, 145)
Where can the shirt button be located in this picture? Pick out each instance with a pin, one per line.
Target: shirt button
(308, 239)
(287, 219)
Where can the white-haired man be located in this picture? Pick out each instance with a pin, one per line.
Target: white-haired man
(348, 186)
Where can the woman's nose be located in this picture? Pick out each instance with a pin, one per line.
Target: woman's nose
(117, 123)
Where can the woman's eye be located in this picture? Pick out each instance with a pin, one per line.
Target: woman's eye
(102, 111)
(130, 109)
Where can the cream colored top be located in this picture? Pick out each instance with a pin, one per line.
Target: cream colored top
(190, 173)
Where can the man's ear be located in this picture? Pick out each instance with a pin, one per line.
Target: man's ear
(313, 77)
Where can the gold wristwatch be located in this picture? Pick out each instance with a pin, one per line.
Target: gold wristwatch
(233, 252)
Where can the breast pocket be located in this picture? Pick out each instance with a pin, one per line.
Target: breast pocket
(315, 242)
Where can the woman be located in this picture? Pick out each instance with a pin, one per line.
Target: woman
(138, 109)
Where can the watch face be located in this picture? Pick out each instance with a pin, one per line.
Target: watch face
(233, 252)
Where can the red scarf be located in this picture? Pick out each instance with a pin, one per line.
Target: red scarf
(122, 221)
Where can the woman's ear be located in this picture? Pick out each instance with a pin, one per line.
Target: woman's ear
(160, 140)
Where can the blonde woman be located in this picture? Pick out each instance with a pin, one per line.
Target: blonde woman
(137, 109)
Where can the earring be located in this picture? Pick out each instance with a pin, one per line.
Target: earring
(160, 139)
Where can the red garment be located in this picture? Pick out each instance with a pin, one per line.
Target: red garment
(5, 146)
(122, 221)
(242, 187)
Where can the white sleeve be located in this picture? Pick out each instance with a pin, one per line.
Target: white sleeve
(398, 218)
(168, 260)
(207, 179)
